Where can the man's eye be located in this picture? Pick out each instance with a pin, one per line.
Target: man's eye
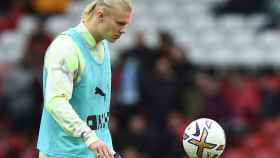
(121, 23)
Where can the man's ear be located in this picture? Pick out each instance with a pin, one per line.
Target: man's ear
(100, 15)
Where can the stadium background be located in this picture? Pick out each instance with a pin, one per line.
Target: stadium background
(180, 60)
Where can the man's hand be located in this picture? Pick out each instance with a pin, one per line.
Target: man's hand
(101, 150)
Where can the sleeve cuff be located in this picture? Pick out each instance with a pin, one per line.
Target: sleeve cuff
(92, 137)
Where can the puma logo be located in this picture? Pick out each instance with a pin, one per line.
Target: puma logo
(98, 91)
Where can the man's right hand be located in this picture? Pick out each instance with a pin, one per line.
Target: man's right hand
(101, 150)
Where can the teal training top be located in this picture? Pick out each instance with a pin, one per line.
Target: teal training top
(90, 100)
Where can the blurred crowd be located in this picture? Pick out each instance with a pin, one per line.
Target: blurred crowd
(249, 7)
(156, 92)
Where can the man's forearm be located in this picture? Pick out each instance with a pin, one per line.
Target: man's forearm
(67, 118)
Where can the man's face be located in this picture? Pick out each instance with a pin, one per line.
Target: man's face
(115, 24)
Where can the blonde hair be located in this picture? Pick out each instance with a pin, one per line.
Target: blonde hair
(107, 4)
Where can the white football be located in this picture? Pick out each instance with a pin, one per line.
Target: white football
(204, 138)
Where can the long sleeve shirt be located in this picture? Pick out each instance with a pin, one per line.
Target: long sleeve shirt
(65, 66)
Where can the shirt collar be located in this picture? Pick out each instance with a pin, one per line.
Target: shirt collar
(86, 34)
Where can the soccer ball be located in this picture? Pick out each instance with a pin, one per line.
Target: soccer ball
(204, 138)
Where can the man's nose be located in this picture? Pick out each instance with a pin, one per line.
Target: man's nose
(123, 30)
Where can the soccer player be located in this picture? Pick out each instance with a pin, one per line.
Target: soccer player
(77, 84)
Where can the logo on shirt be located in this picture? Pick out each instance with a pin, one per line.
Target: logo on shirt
(99, 91)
